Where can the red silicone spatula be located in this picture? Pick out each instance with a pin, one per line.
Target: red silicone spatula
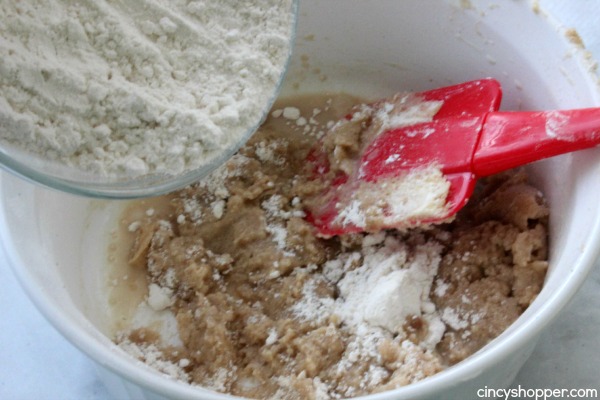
(467, 138)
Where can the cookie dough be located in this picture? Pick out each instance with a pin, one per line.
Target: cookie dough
(244, 298)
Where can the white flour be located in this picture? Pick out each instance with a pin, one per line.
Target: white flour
(137, 87)
(379, 287)
(398, 201)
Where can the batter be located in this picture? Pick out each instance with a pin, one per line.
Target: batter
(244, 298)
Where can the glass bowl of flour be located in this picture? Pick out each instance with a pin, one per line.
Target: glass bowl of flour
(135, 99)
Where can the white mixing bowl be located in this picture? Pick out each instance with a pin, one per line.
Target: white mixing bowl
(57, 243)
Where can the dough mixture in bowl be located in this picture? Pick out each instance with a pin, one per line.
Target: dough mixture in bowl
(244, 298)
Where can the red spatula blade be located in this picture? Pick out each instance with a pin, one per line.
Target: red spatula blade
(327, 224)
(473, 98)
(448, 141)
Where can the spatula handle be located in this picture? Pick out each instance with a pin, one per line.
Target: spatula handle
(512, 139)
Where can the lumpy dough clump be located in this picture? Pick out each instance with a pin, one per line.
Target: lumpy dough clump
(244, 298)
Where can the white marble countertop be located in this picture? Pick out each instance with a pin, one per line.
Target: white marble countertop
(37, 363)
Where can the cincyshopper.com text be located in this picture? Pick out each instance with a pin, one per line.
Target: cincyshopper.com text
(523, 393)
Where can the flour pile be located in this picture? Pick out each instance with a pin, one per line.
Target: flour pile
(133, 88)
